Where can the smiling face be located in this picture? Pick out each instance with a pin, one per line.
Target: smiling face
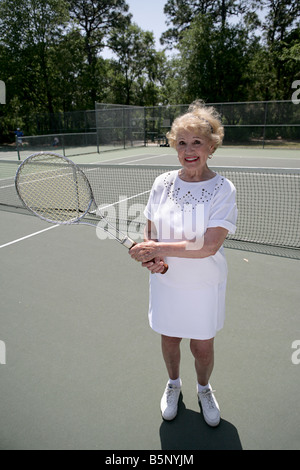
(193, 150)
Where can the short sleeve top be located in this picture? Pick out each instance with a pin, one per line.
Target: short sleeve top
(184, 211)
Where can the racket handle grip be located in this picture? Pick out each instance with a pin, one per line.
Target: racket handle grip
(166, 267)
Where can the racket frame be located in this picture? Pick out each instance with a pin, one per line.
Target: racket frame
(124, 239)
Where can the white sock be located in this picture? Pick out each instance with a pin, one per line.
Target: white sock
(175, 383)
(201, 388)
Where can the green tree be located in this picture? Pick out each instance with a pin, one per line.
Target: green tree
(281, 18)
(96, 19)
(137, 64)
(181, 13)
(213, 61)
(30, 28)
(281, 32)
(67, 60)
(173, 84)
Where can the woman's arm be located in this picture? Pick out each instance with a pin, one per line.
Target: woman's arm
(212, 241)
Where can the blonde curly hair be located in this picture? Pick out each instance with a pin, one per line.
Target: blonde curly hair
(203, 120)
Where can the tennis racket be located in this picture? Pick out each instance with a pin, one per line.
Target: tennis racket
(56, 190)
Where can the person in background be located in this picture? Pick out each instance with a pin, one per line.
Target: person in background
(19, 134)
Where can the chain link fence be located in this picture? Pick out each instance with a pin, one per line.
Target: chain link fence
(263, 124)
(272, 124)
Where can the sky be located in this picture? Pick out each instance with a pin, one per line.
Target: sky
(148, 15)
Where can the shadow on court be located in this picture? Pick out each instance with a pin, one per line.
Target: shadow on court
(188, 431)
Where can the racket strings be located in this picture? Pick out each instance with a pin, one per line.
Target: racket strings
(54, 190)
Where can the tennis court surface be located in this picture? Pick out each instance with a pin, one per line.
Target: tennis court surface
(81, 369)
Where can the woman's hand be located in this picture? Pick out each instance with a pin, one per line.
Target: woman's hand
(148, 254)
(145, 251)
(156, 266)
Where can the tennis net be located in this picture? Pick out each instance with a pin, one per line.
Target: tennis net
(268, 201)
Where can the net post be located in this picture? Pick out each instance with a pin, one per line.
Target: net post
(17, 147)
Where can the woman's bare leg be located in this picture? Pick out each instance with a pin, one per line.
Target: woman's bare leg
(203, 352)
(171, 354)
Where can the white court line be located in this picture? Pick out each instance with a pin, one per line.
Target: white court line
(131, 156)
(8, 186)
(115, 159)
(28, 236)
(146, 158)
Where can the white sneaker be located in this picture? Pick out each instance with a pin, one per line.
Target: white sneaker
(169, 402)
(210, 407)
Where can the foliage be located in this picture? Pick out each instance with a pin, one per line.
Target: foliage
(222, 50)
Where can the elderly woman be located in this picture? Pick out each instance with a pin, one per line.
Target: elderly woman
(190, 212)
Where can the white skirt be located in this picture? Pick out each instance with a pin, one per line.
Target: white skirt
(186, 313)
